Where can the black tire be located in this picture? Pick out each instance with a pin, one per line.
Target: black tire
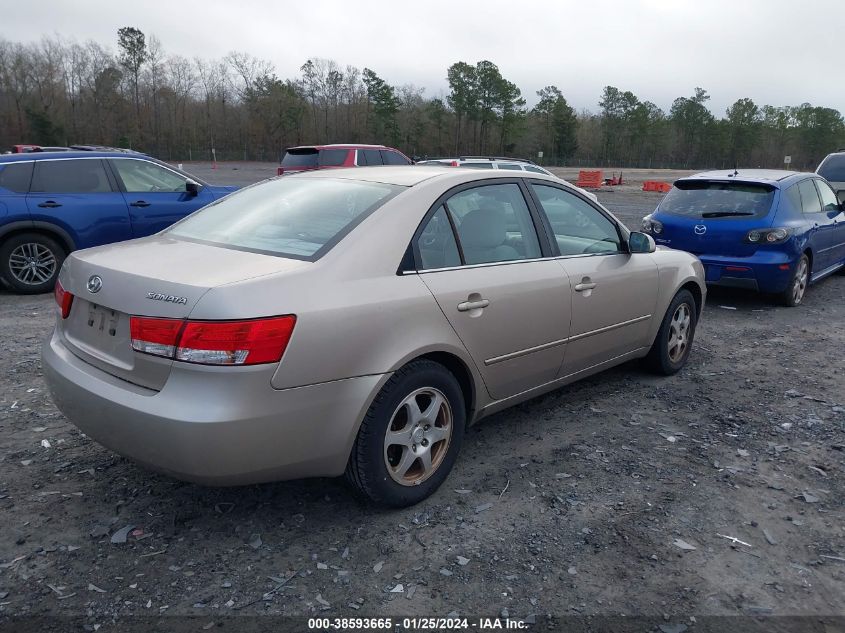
(48, 251)
(367, 469)
(795, 291)
(660, 359)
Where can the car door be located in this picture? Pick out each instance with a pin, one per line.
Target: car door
(613, 292)
(480, 256)
(78, 195)
(836, 229)
(156, 196)
(820, 235)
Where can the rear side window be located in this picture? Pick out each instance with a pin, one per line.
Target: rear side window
(289, 217)
(478, 165)
(301, 157)
(510, 166)
(369, 157)
(333, 157)
(70, 176)
(833, 168)
(493, 224)
(15, 177)
(393, 158)
(809, 197)
(718, 199)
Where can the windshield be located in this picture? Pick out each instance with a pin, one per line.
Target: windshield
(300, 218)
(714, 199)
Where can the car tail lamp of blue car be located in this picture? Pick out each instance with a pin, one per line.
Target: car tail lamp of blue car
(768, 236)
(250, 342)
(64, 299)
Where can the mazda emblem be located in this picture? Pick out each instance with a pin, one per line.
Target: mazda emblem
(700, 229)
(94, 284)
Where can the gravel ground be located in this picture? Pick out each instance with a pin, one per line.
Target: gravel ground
(718, 491)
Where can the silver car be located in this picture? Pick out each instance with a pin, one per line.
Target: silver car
(356, 321)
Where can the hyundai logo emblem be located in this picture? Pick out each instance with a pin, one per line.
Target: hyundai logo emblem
(700, 229)
(94, 284)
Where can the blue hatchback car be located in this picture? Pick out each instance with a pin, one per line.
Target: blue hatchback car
(52, 203)
(765, 230)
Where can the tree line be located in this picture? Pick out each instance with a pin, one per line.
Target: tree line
(60, 92)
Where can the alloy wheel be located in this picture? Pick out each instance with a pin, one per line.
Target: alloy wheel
(799, 286)
(418, 436)
(32, 263)
(679, 328)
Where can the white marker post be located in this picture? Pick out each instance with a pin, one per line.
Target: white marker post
(787, 160)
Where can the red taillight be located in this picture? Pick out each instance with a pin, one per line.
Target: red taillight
(155, 336)
(214, 342)
(63, 299)
(280, 171)
(455, 164)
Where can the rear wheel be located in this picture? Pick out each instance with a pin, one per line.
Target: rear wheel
(411, 436)
(794, 293)
(30, 262)
(671, 347)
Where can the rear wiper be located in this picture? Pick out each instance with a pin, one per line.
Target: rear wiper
(724, 214)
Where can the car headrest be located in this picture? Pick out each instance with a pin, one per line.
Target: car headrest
(483, 228)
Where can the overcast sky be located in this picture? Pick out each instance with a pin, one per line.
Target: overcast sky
(780, 52)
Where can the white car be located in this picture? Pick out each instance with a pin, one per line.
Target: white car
(500, 162)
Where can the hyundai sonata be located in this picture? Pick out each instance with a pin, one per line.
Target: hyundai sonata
(356, 321)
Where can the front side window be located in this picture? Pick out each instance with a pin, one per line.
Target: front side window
(140, 176)
(809, 197)
(493, 224)
(15, 177)
(436, 245)
(579, 228)
(478, 165)
(536, 170)
(510, 166)
(289, 217)
(829, 201)
(70, 176)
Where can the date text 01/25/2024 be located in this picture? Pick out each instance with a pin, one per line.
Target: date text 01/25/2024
(414, 624)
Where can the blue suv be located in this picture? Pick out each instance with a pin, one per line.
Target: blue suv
(52, 203)
(765, 230)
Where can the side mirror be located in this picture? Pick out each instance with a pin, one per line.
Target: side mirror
(641, 243)
(193, 188)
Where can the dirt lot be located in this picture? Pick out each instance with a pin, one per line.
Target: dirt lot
(619, 495)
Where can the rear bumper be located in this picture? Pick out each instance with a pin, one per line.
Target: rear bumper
(765, 271)
(212, 425)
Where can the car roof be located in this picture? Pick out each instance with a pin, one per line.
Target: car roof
(410, 175)
(340, 146)
(15, 158)
(776, 177)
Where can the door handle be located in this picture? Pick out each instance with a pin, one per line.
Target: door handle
(139, 203)
(466, 306)
(49, 204)
(588, 285)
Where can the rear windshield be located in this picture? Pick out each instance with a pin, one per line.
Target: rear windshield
(709, 199)
(833, 168)
(308, 157)
(300, 218)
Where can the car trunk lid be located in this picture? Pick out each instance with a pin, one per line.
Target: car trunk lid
(155, 277)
